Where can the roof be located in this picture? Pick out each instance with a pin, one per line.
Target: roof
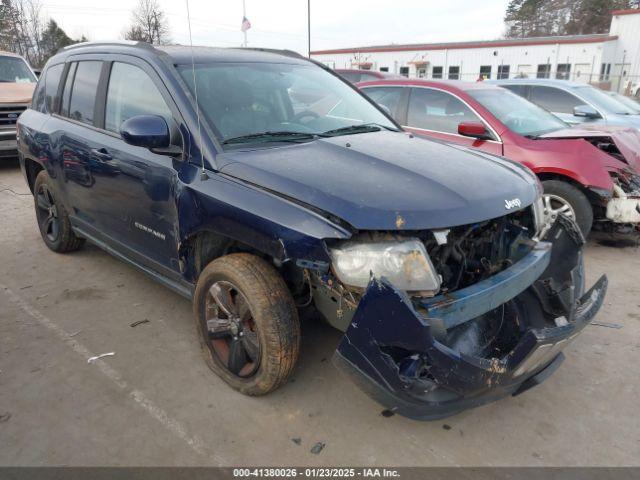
(446, 84)
(628, 11)
(539, 81)
(512, 42)
(182, 54)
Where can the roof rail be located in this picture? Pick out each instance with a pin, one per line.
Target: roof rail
(287, 53)
(131, 43)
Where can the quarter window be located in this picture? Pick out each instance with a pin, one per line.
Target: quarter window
(554, 99)
(131, 92)
(438, 111)
(51, 83)
(84, 91)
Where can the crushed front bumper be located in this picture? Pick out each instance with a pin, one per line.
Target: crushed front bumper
(392, 348)
(624, 207)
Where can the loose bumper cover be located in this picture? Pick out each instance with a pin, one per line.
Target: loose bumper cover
(430, 380)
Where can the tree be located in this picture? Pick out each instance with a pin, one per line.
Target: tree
(534, 18)
(22, 31)
(53, 39)
(150, 24)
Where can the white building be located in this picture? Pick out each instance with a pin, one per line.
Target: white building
(611, 59)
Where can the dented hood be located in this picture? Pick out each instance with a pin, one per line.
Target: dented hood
(387, 180)
(16, 92)
(625, 138)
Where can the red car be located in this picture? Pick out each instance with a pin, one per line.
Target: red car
(356, 76)
(589, 174)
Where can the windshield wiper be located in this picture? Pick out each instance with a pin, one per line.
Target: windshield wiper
(361, 128)
(271, 137)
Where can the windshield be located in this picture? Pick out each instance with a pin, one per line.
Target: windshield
(627, 101)
(602, 101)
(518, 114)
(15, 70)
(256, 100)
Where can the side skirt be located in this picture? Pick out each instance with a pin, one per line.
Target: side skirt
(133, 258)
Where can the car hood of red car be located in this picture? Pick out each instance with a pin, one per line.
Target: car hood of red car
(626, 139)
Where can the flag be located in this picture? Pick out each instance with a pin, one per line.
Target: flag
(246, 24)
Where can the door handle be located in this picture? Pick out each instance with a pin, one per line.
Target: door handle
(101, 153)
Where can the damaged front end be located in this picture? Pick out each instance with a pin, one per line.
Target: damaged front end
(623, 209)
(498, 329)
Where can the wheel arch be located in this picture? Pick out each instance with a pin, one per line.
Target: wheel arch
(550, 175)
(31, 170)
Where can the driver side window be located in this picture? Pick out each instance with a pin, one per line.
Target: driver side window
(438, 111)
(131, 92)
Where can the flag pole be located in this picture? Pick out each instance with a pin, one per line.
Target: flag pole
(309, 26)
(244, 15)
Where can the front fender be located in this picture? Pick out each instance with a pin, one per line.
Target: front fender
(264, 221)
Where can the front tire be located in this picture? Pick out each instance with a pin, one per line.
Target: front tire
(53, 219)
(562, 197)
(247, 323)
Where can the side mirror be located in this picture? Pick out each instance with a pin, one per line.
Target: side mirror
(585, 111)
(474, 130)
(149, 131)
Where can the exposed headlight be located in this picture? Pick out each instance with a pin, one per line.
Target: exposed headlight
(405, 264)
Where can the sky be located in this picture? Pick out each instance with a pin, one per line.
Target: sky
(283, 23)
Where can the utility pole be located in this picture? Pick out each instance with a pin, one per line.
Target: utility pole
(309, 26)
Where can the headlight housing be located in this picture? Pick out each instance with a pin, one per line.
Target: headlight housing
(542, 219)
(405, 264)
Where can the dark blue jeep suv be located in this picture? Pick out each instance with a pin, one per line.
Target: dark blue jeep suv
(257, 183)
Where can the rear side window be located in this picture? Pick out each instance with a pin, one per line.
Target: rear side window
(51, 83)
(517, 89)
(131, 92)
(437, 111)
(84, 91)
(554, 99)
(386, 96)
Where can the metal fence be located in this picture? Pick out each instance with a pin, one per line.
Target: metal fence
(627, 84)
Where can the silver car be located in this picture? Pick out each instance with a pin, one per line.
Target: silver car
(574, 102)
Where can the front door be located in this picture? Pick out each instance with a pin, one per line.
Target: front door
(558, 102)
(436, 113)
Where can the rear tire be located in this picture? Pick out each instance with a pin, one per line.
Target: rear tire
(558, 191)
(262, 313)
(53, 219)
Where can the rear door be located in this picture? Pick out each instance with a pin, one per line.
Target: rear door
(78, 138)
(436, 113)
